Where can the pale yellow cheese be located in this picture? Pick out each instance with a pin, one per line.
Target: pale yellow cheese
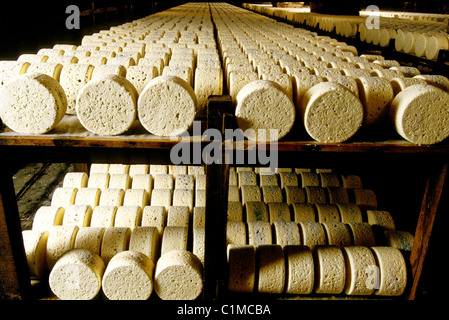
(46, 217)
(259, 233)
(98, 180)
(337, 234)
(312, 234)
(136, 197)
(236, 232)
(145, 240)
(286, 233)
(77, 215)
(88, 196)
(235, 211)
(279, 211)
(242, 268)
(392, 272)
(174, 238)
(103, 216)
(362, 234)
(271, 194)
(271, 263)
(115, 240)
(331, 270)
(300, 274)
(128, 216)
(89, 238)
(112, 197)
(178, 216)
(257, 211)
(359, 262)
(303, 212)
(60, 240)
(155, 216)
(198, 246)
(380, 218)
(35, 245)
(295, 195)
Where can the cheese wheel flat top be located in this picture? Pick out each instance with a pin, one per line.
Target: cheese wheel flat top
(359, 265)
(331, 113)
(178, 276)
(146, 241)
(242, 267)
(89, 238)
(35, 245)
(167, 106)
(128, 276)
(60, 240)
(46, 217)
(392, 271)
(300, 269)
(77, 215)
(264, 111)
(331, 270)
(77, 275)
(115, 240)
(110, 114)
(32, 103)
(236, 232)
(419, 124)
(271, 264)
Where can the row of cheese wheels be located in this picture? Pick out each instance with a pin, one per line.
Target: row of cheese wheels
(420, 34)
(351, 270)
(245, 42)
(126, 263)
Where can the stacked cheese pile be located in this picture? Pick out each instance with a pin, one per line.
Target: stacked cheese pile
(148, 209)
(178, 42)
(307, 212)
(300, 61)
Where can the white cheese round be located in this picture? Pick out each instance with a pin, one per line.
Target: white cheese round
(178, 276)
(88, 196)
(167, 106)
(98, 180)
(77, 275)
(46, 217)
(115, 240)
(271, 263)
(77, 215)
(264, 111)
(60, 240)
(145, 240)
(128, 276)
(73, 77)
(242, 268)
(140, 75)
(174, 238)
(359, 264)
(330, 112)
(420, 114)
(331, 270)
(63, 197)
(112, 197)
(236, 232)
(89, 238)
(32, 103)
(110, 114)
(178, 216)
(154, 216)
(392, 271)
(128, 216)
(136, 197)
(300, 269)
(35, 245)
(198, 245)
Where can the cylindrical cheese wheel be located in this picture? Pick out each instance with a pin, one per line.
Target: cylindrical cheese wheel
(234, 193)
(330, 270)
(362, 234)
(146, 241)
(303, 212)
(112, 197)
(32, 103)
(286, 233)
(154, 216)
(264, 111)
(312, 234)
(174, 238)
(77, 275)
(111, 114)
(128, 276)
(60, 240)
(199, 242)
(164, 181)
(35, 245)
(247, 178)
(178, 276)
(199, 217)
(183, 197)
(140, 75)
(208, 81)
(184, 181)
(402, 240)
(420, 114)
(118, 168)
(75, 180)
(89, 238)
(268, 180)
(235, 211)
(250, 193)
(359, 262)
(103, 216)
(376, 95)
(366, 199)
(115, 240)
(351, 181)
(349, 212)
(136, 197)
(167, 106)
(77, 215)
(315, 195)
(46, 217)
(88, 196)
(128, 216)
(337, 234)
(178, 216)
(436, 80)
(257, 211)
(279, 211)
(200, 198)
(161, 197)
(259, 233)
(392, 271)
(104, 69)
(120, 181)
(337, 195)
(138, 169)
(98, 180)
(295, 195)
(73, 77)
(238, 79)
(242, 268)
(288, 179)
(271, 194)
(331, 112)
(380, 218)
(399, 84)
(271, 263)
(300, 274)
(310, 179)
(142, 181)
(327, 212)
(99, 168)
(434, 44)
(236, 232)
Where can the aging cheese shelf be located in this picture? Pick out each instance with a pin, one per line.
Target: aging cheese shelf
(137, 146)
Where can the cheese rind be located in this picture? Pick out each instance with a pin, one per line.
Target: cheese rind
(46, 217)
(331, 270)
(32, 103)
(146, 241)
(300, 272)
(128, 276)
(271, 262)
(178, 276)
(77, 275)
(242, 267)
(35, 245)
(115, 240)
(167, 106)
(392, 271)
(60, 240)
(359, 261)
(111, 114)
